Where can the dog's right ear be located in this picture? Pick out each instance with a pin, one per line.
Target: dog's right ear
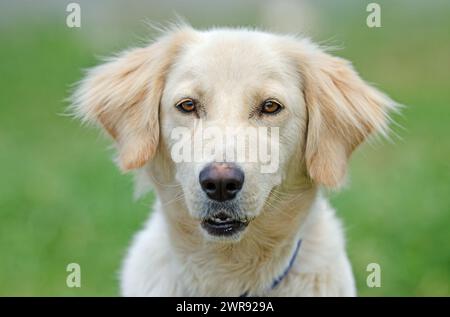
(123, 95)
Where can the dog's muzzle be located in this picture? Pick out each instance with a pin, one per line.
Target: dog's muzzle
(221, 182)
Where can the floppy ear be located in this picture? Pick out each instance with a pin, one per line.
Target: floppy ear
(123, 95)
(343, 111)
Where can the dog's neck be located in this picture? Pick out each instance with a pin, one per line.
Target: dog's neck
(253, 262)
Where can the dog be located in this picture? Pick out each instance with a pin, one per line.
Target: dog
(223, 227)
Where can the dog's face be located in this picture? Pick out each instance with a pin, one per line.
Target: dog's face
(259, 103)
(232, 85)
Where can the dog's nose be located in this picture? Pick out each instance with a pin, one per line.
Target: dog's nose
(221, 181)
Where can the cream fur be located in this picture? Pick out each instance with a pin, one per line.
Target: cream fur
(328, 112)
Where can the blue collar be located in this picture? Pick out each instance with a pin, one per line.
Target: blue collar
(280, 278)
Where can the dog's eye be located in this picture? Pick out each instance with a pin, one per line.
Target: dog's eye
(186, 105)
(271, 107)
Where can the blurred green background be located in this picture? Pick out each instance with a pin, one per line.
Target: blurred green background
(62, 200)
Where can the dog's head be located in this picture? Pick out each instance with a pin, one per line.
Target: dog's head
(266, 108)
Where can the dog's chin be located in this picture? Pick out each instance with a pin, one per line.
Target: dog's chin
(223, 227)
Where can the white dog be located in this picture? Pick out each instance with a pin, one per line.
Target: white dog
(223, 228)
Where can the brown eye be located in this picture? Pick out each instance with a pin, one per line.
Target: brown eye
(186, 105)
(271, 107)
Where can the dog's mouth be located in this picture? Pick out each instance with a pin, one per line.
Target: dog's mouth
(224, 225)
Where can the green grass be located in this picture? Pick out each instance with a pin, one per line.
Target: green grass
(62, 200)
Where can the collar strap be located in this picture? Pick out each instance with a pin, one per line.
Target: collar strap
(286, 271)
(280, 278)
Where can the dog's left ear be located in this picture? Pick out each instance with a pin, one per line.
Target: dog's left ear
(123, 96)
(343, 111)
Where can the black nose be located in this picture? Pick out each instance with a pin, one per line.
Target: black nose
(221, 181)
